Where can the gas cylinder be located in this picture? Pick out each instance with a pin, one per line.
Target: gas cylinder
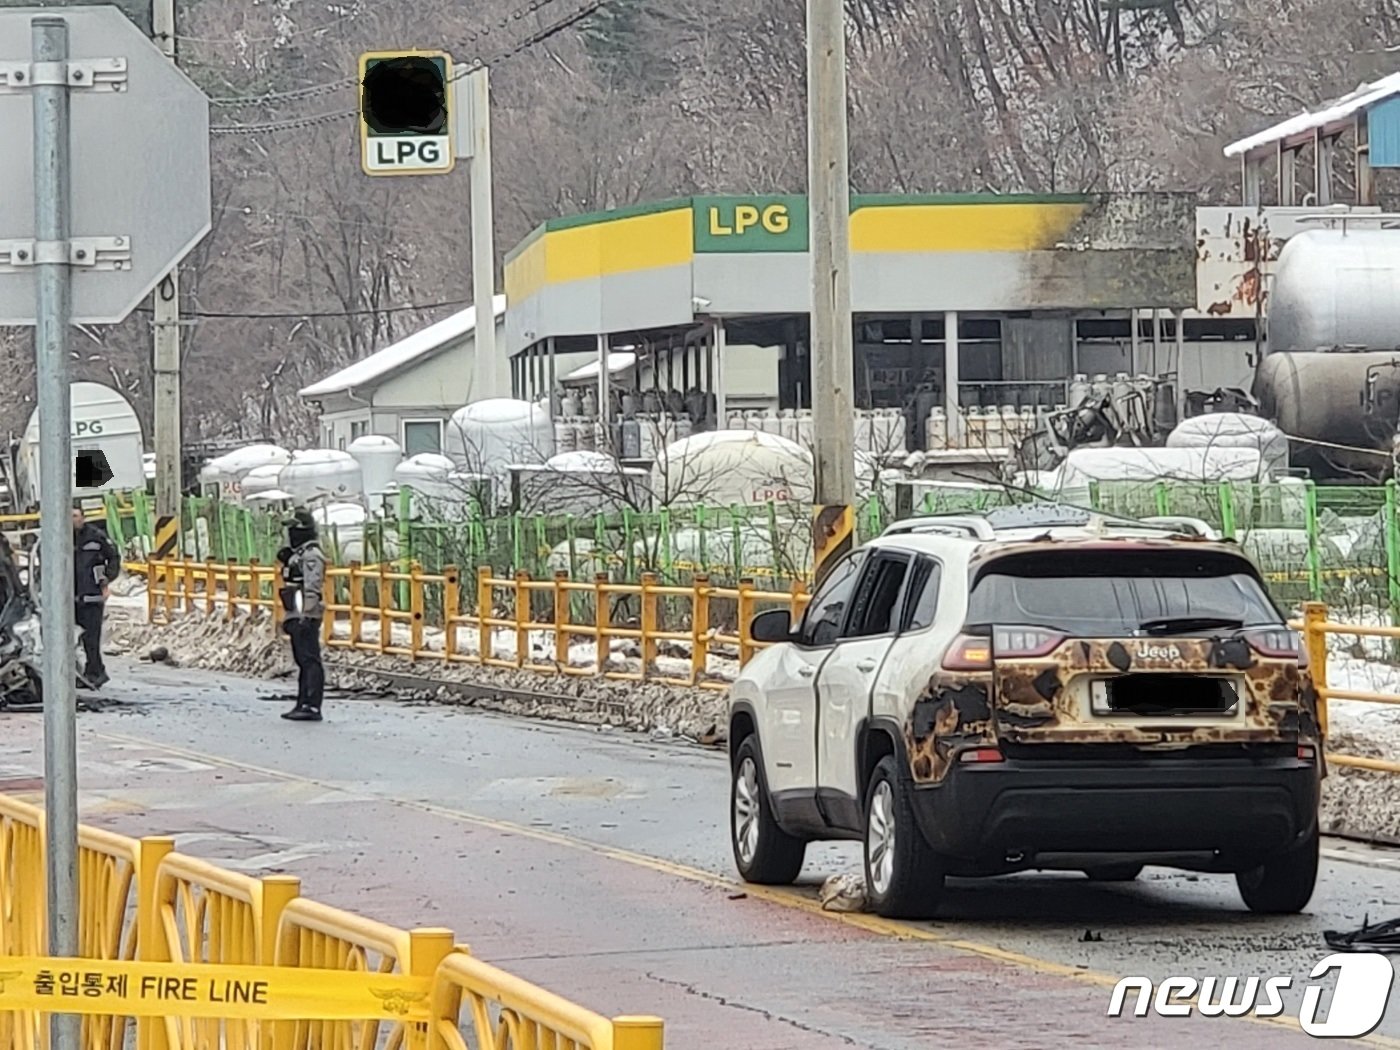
(1079, 389)
(937, 429)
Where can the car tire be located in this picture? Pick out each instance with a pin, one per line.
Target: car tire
(1114, 873)
(763, 852)
(903, 877)
(1284, 883)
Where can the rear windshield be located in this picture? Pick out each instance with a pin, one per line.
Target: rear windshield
(1096, 594)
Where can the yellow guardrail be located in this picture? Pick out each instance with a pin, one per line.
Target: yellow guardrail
(398, 606)
(145, 908)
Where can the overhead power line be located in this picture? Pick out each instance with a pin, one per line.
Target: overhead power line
(533, 39)
(333, 86)
(303, 315)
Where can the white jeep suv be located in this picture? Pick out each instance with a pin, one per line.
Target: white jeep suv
(1037, 687)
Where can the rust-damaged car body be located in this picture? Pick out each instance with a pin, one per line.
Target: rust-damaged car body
(1074, 692)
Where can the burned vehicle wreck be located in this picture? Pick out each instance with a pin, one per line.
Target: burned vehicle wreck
(21, 684)
(1034, 688)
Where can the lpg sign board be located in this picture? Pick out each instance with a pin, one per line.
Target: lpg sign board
(405, 113)
(750, 224)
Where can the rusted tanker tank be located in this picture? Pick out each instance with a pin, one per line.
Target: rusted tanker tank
(1334, 330)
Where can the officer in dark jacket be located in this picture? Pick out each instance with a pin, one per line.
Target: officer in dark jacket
(96, 563)
(303, 600)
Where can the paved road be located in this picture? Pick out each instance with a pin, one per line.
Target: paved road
(598, 865)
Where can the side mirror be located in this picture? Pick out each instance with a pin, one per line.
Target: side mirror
(775, 625)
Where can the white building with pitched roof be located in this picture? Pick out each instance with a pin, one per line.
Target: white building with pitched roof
(408, 390)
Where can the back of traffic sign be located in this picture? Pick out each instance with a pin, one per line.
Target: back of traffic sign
(139, 169)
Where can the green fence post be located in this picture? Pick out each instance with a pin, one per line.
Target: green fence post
(702, 532)
(736, 533)
(1227, 509)
(1392, 552)
(1094, 496)
(1314, 554)
(405, 530)
(663, 529)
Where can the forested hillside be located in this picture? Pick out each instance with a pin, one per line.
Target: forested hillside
(312, 264)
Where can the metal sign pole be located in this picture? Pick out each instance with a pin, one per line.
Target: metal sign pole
(52, 311)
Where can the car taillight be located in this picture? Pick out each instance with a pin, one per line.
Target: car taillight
(968, 653)
(1278, 644)
(1025, 642)
(982, 754)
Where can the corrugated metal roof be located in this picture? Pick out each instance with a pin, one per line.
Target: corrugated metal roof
(405, 352)
(1329, 113)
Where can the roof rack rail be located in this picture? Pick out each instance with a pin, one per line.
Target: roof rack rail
(961, 524)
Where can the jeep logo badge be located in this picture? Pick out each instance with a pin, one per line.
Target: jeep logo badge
(1159, 652)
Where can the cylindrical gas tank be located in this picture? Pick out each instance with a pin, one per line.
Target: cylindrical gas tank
(1336, 287)
(1079, 389)
(378, 457)
(569, 404)
(590, 403)
(631, 439)
(1100, 386)
(320, 474)
(1317, 397)
(564, 439)
(937, 429)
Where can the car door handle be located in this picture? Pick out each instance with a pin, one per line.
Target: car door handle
(806, 670)
(866, 665)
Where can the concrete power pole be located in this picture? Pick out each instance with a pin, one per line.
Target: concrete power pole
(829, 195)
(483, 240)
(166, 353)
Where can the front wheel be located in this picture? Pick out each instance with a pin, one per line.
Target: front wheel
(903, 879)
(763, 852)
(1283, 884)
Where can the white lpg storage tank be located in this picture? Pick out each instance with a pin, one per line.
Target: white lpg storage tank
(378, 458)
(1234, 430)
(261, 480)
(320, 474)
(725, 467)
(225, 475)
(488, 437)
(428, 474)
(342, 531)
(1084, 465)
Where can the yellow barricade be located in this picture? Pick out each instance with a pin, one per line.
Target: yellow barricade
(254, 993)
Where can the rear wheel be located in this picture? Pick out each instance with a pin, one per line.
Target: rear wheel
(903, 879)
(1283, 884)
(763, 852)
(1114, 872)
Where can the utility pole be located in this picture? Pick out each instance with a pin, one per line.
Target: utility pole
(53, 310)
(483, 238)
(166, 351)
(829, 197)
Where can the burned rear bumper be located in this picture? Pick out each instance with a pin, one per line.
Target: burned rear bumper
(1208, 813)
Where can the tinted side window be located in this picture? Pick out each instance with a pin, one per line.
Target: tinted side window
(874, 611)
(827, 610)
(921, 603)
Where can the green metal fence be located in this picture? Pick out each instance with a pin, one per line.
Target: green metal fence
(1330, 543)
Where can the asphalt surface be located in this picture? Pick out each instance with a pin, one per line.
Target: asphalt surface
(598, 865)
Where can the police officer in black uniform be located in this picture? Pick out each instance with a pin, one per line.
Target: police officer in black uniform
(96, 563)
(303, 599)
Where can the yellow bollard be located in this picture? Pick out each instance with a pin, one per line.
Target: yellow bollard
(700, 627)
(415, 608)
(746, 608)
(561, 618)
(151, 581)
(386, 625)
(427, 948)
(451, 609)
(151, 945)
(522, 617)
(649, 623)
(638, 1033)
(483, 612)
(1315, 639)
